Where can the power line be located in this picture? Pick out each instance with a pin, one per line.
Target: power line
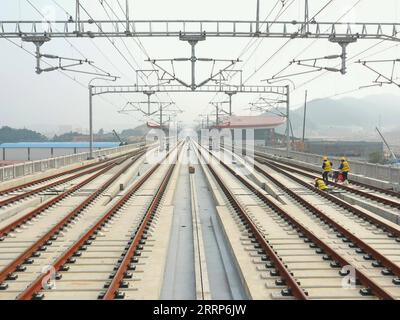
(340, 18)
(254, 41)
(114, 45)
(284, 45)
(94, 44)
(140, 45)
(69, 42)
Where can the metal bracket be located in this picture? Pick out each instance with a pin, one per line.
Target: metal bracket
(343, 42)
(38, 41)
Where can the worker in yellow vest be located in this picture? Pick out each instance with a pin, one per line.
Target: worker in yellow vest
(344, 169)
(326, 169)
(320, 184)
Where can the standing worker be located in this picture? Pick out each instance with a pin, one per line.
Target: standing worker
(326, 167)
(344, 169)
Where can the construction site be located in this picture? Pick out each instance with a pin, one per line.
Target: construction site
(201, 174)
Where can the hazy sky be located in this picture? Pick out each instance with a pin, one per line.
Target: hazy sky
(51, 99)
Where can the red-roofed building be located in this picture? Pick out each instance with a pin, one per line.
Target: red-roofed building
(264, 127)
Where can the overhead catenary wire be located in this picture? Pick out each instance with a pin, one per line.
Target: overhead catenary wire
(252, 42)
(140, 46)
(68, 41)
(94, 44)
(306, 48)
(337, 20)
(284, 45)
(60, 71)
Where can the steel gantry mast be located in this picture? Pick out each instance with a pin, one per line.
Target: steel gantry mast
(210, 28)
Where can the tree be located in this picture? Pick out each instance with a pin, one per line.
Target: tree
(11, 135)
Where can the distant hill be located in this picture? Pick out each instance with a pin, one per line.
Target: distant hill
(348, 118)
(76, 136)
(140, 131)
(11, 135)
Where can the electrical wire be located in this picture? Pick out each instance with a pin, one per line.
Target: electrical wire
(284, 45)
(60, 71)
(69, 42)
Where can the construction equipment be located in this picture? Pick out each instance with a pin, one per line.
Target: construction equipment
(395, 160)
(121, 143)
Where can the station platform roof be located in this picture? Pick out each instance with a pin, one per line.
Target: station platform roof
(255, 122)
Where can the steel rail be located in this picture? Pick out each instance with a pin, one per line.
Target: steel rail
(54, 231)
(368, 186)
(10, 227)
(376, 289)
(373, 197)
(117, 281)
(291, 282)
(53, 184)
(32, 291)
(341, 231)
(112, 291)
(32, 183)
(25, 218)
(48, 186)
(392, 231)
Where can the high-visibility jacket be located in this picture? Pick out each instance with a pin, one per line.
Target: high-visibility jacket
(327, 166)
(344, 166)
(320, 184)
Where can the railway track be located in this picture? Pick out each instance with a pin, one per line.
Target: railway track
(380, 200)
(15, 194)
(384, 196)
(84, 263)
(331, 241)
(47, 224)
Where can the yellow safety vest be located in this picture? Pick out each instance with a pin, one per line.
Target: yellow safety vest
(346, 167)
(328, 166)
(321, 185)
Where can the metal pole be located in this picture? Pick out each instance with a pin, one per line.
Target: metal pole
(304, 117)
(90, 122)
(306, 25)
(258, 17)
(77, 16)
(230, 104)
(38, 68)
(193, 60)
(161, 119)
(287, 121)
(127, 15)
(148, 104)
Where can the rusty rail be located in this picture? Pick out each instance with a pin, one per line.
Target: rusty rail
(364, 185)
(369, 283)
(373, 197)
(32, 291)
(341, 231)
(56, 183)
(291, 282)
(32, 183)
(392, 231)
(112, 290)
(54, 231)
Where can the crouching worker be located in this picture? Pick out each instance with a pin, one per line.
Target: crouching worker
(320, 184)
